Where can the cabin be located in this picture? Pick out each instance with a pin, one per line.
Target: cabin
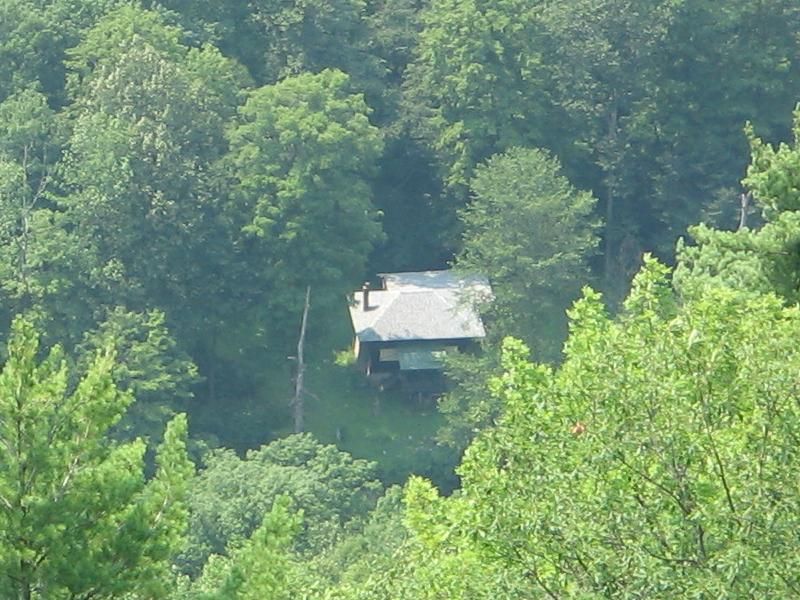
(405, 327)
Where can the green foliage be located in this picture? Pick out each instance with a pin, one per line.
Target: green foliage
(434, 561)
(345, 358)
(76, 515)
(600, 59)
(299, 37)
(114, 35)
(656, 95)
(23, 35)
(393, 30)
(231, 495)
(362, 553)
(474, 86)
(655, 462)
(33, 38)
(751, 261)
(261, 567)
(760, 260)
(148, 125)
(301, 157)
(469, 408)
(150, 196)
(148, 365)
(643, 101)
(28, 131)
(773, 173)
(29, 150)
(531, 233)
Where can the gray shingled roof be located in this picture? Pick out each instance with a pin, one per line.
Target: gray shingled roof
(426, 305)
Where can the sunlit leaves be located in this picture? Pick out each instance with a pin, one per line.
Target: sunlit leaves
(649, 462)
(301, 158)
(531, 233)
(77, 516)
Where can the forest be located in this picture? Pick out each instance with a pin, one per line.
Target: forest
(176, 179)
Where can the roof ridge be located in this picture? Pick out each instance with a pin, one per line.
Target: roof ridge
(419, 312)
(384, 309)
(386, 312)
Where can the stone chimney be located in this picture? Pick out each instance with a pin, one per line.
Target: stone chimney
(365, 296)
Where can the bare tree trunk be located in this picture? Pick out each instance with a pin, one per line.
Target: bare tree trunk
(745, 203)
(299, 391)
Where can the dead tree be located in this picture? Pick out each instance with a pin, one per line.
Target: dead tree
(744, 199)
(299, 389)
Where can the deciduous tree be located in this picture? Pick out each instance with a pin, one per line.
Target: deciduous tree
(231, 495)
(475, 86)
(531, 233)
(301, 158)
(658, 461)
(754, 260)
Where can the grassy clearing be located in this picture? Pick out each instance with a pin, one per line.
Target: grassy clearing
(341, 408)
(387, 427)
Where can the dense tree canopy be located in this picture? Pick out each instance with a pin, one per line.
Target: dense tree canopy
(475, 85)
(231, 495)
(302, 154)
(532, 234)
(78, 519)
(759, 259)
(657, 461)
(174, 175)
